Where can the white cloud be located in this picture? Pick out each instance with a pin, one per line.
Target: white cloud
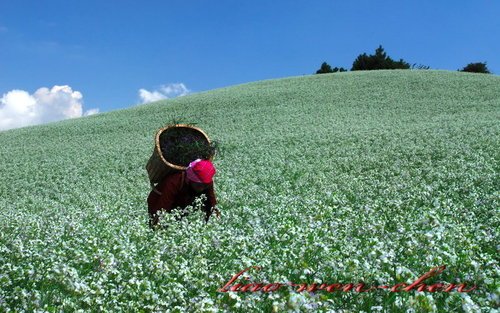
(18, 108)
(148, 96)
(91, 112)
(175, 90)
(165, 92)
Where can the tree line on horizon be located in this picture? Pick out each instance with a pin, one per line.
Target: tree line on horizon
(380, 61)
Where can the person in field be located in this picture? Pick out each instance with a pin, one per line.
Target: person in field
(181, 188)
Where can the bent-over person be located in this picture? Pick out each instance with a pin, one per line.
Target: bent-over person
(181, 188)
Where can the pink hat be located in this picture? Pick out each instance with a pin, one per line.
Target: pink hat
(200, 171)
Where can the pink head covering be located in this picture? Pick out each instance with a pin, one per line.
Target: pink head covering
(200, 171)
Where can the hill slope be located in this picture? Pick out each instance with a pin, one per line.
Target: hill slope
(347, 177)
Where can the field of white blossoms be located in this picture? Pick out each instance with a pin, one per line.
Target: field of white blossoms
(372, 177)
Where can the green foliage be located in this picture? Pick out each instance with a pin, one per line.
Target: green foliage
(378, 61)
(181, 145)
(326, 68)
(175, 120)
(416, 66)
(371, 176)
(476, 68)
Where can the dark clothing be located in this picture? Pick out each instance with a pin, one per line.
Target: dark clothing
(174, 191)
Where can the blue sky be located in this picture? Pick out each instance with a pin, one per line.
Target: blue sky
(109, 50)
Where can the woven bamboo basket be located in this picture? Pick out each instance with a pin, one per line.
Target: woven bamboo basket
(158, 167)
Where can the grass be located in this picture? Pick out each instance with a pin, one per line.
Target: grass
(359, 176)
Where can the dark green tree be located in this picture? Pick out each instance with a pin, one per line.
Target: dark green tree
(339, 69)
(416, 66)
(378, 61)
(476, 68)
(326, 68)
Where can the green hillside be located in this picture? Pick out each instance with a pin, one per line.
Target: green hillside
(372, 177)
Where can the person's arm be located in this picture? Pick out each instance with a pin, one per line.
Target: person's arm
(210, 203)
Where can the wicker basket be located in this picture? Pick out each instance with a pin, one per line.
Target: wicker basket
(157, 166)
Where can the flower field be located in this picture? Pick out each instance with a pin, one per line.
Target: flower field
(372, 177)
